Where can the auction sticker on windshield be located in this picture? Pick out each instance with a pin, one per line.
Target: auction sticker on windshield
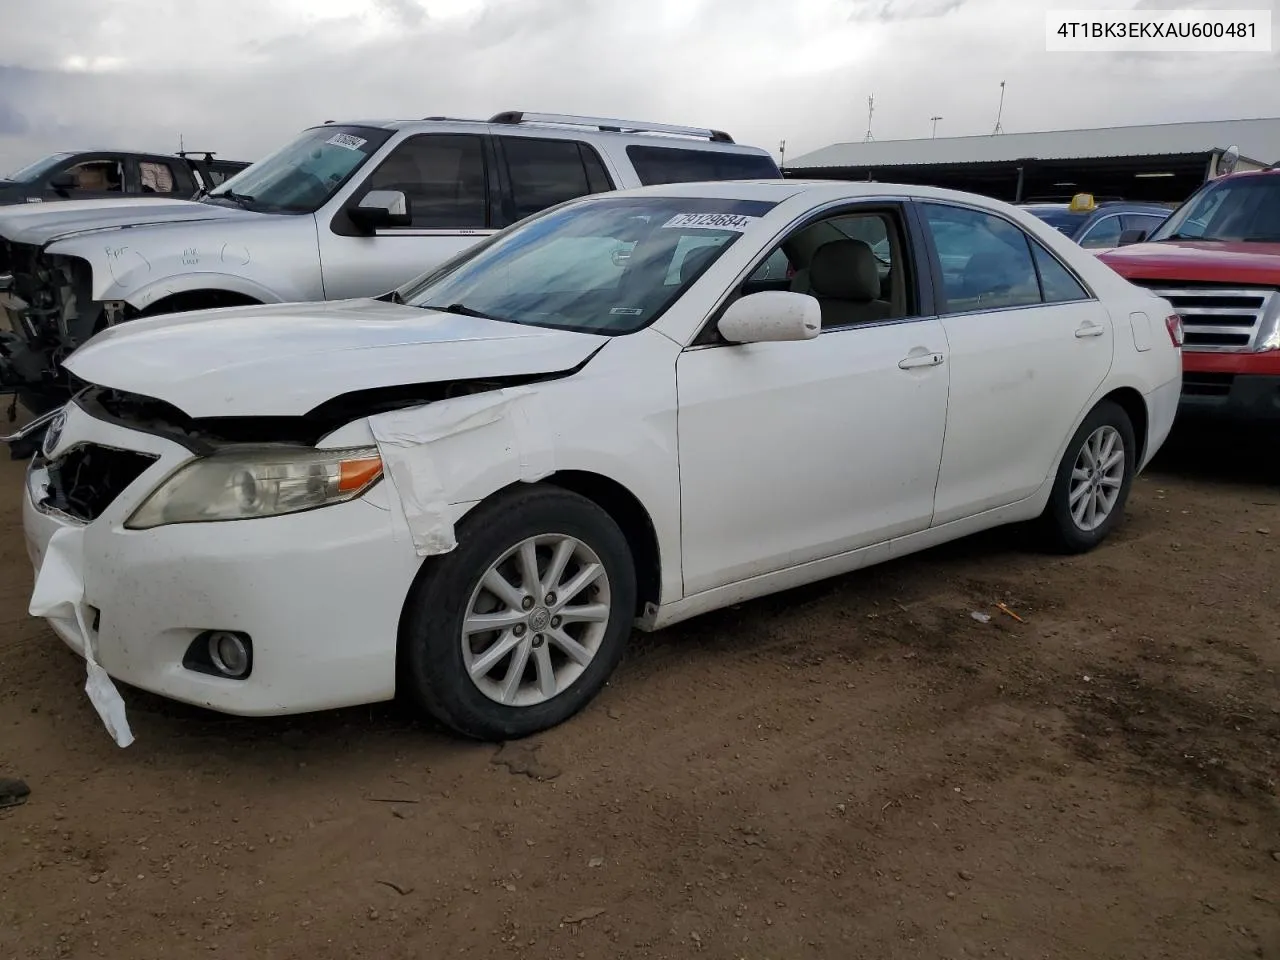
(346, 140)
(711, 221)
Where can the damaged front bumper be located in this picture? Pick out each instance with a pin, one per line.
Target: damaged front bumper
(319, 593)
(46, 311)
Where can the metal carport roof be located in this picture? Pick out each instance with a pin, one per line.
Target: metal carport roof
(1258, 140)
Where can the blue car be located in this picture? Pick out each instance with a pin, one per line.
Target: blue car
(1098, 226)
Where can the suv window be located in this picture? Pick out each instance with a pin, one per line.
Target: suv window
(98, 176)
(655, 165)
(156, 177)
(443, 176)
(986, 261)
(546, 172)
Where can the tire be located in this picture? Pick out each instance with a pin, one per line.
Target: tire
(436, 671)
(1071, 527)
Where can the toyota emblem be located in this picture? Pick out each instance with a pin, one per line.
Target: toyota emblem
(53, 433)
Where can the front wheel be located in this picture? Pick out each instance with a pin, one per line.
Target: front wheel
(519, 626)
(1092, 485)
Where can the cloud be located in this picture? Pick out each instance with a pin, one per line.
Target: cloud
(242, 76)
(889, 10)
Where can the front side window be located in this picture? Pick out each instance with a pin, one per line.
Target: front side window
(98, 176)
(443, 176)
(986, 260)
(301, 176)
(546, 172)
(1103, 234)
(605, 265)
(656, 165)
(1245, 209)
(853, 264)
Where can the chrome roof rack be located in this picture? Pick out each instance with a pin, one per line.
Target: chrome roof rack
(611, 126)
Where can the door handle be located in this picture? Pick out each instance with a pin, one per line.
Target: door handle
(920, 360)
(1090, 330)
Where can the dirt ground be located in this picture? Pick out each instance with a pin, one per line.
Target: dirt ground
(858, 769)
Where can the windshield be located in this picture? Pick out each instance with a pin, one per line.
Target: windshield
(1244, 208)
(301, 176)
(608, 266)
(1058, 217)
(34, 171)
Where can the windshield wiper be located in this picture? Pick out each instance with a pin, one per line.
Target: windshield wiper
(463, 310)
(1191, 236)
(241, 199)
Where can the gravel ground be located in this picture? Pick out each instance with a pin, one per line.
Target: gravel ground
(856, 769)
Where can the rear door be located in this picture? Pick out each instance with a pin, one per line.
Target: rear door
(538, 172)
(161, 178)
(450, 180)
(1028, 347)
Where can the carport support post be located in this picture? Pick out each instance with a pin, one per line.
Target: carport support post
(1017, 194)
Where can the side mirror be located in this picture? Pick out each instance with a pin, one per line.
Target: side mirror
(381, 208)
(1131, 236)
(64, 182)
(771, 315)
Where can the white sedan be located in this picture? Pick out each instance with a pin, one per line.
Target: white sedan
(626, 410)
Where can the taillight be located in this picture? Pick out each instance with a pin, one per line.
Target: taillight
(1173, 323)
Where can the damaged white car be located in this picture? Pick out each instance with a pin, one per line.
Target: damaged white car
(629, 409)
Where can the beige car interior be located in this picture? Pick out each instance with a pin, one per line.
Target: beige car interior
(100, 176)
(836, 264)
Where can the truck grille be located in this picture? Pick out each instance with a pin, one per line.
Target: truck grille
(86, 479)
(1216, 319)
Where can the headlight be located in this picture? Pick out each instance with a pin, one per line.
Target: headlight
(259, 482)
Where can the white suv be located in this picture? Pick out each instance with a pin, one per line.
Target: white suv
(349, 209)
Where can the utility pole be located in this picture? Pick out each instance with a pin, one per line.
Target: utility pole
(999, 112)
(782, 153)
(935, 124)
(871, 109)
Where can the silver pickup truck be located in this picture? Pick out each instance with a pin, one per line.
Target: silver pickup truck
(344, 210)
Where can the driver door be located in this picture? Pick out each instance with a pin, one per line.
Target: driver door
(793, 452)
(446, 178)
(96, 178)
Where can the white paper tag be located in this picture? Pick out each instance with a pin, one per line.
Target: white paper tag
(711, 221)
(346, 140)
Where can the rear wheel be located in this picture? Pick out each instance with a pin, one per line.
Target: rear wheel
(521, 625)
(1093, 481)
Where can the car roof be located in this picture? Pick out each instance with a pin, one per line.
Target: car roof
(568, 127)
(817, 191)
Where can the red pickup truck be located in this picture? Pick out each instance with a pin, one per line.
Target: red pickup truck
(1217, 260)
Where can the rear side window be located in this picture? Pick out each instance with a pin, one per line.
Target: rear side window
(546, 172)
(156, 177)
(1056, 282)
(656, 165)
(986, 261)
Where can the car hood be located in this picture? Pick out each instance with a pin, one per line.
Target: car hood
(1198, 260)
(41, 223)
(285, 360)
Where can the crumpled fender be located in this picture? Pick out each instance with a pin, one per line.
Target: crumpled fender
(485, 441)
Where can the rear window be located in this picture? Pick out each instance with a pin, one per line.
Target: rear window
(676, 165)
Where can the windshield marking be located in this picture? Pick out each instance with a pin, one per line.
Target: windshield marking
(711, 221)
(347, 140)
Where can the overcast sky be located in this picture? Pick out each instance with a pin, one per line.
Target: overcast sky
(242, 76)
